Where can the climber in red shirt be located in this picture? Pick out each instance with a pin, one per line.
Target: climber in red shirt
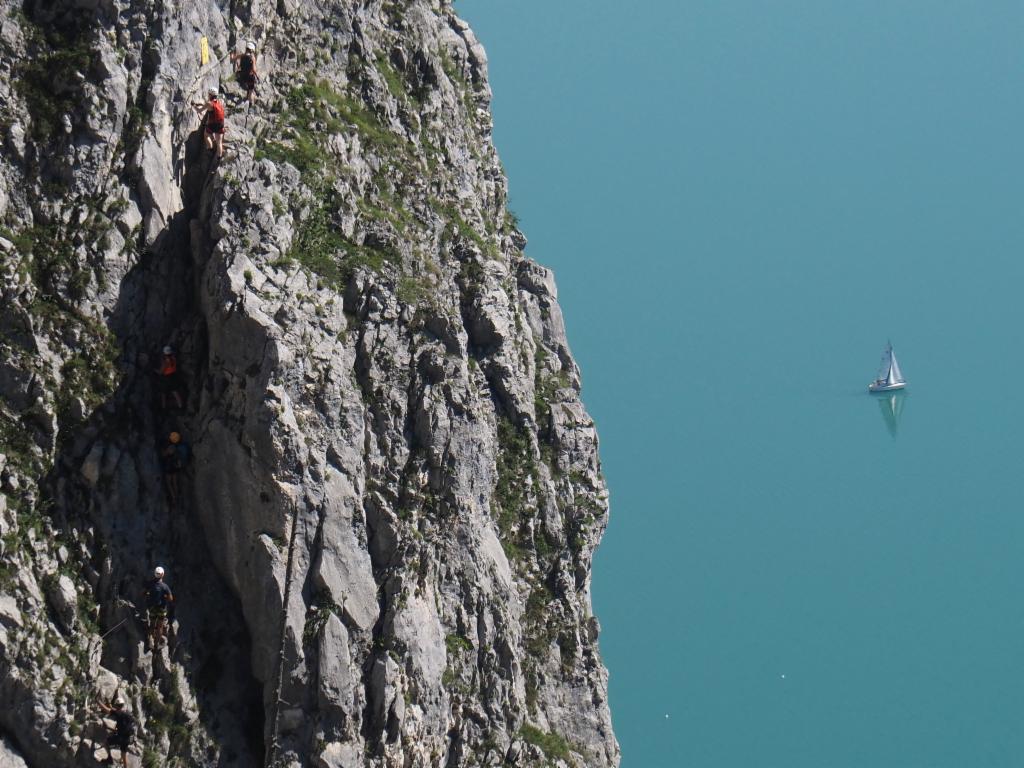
(212, 111)
(169, 379)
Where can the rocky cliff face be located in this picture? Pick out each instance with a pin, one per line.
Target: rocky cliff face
(381, 548)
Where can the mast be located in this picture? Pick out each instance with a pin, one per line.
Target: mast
(885, 368)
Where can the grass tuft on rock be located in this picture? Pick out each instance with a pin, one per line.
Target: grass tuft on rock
(554, 746)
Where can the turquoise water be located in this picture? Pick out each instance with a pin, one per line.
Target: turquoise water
(742, 201)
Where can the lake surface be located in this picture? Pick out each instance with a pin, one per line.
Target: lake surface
(742, 202)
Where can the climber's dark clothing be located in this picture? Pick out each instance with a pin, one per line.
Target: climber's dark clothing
(169, 383)
(158, 597)
(125, 729)
(247, 71)
(175, 457)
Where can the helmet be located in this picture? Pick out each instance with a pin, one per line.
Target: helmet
(212, 93)
(119, 702)
(168, 350)
(159, 571)
(175, 438)
(250, 46)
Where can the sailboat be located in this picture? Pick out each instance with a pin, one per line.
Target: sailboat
(889, 375)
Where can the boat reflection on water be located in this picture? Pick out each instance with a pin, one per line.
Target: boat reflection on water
(891, 406)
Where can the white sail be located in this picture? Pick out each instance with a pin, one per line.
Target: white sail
(894, 368)
(890, 376)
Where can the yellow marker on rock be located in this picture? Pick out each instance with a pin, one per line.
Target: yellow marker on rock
(204, 51)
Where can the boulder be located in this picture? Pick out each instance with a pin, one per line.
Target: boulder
(336, 681)
(64, 599)
(9, 756)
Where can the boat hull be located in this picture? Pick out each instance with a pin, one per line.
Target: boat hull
(876, 386)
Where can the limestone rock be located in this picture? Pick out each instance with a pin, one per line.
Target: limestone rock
(337, 682)
(64, 598)
(9, 757)
(380, 544)
(336, 755)
(10, 615)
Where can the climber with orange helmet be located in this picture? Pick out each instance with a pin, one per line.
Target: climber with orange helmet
(173, 459)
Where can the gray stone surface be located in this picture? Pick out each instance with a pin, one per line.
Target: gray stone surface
(64, 599)
(381, 550)
(9, 757)
(10, 614)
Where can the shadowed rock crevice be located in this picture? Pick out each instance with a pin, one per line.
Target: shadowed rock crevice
(210, 650)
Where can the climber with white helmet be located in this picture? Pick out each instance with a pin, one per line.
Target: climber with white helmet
(212, 112)
(245, 69)
(123, 731)
(170, 381)
(159, 601)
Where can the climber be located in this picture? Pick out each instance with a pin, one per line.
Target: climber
(158, 604)
(245, 69)
(174, 458)
(212, 111)
(124, 729)
(170, 383)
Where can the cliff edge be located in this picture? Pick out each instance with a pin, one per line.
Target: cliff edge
(380, 540)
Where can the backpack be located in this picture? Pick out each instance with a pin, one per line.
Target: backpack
(247, 64)
(156, 597)
(125, 724)
(216, 111)
(182, 454)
